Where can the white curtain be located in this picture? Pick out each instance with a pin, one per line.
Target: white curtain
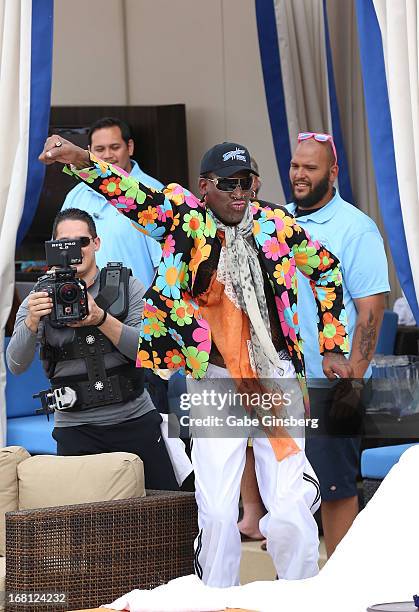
(15, 64)
(399, 25)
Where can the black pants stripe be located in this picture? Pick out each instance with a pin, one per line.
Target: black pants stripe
(140, 436)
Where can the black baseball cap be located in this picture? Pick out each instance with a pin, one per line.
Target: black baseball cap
(226, 159)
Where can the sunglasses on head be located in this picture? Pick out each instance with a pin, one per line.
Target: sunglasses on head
(320, 138)
(230, 184)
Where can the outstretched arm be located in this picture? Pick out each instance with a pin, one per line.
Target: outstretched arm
(150, 211)
(57, 149)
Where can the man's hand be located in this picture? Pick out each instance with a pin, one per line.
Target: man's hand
(58, 149)
(335, 365)
(39, 305)
(111, 328)
(346, 412)
(93, 318)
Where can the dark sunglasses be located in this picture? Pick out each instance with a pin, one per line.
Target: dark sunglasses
(85, 240)
(230, 184)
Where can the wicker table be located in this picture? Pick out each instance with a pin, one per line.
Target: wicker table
(95, 552)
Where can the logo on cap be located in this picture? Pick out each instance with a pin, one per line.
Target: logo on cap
(236, 154)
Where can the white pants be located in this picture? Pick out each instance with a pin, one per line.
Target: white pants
(289, 490)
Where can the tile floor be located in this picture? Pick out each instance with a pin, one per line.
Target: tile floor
(256, 564)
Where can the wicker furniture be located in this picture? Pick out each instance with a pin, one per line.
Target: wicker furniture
(369, 487)
(96, 552)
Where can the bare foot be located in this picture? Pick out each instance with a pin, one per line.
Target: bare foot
(250, 531)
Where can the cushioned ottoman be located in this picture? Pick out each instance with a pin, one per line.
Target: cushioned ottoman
(376, 464)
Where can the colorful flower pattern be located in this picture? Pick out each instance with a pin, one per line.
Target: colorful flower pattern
(202, 335)
(333, 334)
(306, 257)
(194, 224)
(169, 246)
(173, 332)
(111, 186)
(285, 272)
(124, 203)
(288, 316)
(275, 249)
(181, 313)
(326, 297)
(174, 359)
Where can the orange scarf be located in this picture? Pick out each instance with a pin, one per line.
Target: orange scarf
(231, 334)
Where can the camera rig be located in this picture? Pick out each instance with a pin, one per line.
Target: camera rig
(68, 293)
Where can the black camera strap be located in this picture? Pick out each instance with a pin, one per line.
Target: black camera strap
(93, 346)
(109, 293)
(121, 384)
(87, 341)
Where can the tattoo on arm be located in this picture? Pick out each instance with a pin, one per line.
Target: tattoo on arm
(367, 337)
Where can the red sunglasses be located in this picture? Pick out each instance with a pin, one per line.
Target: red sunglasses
(320, 138)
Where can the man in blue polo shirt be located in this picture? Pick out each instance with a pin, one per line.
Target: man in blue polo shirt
(110, 139)
(356, 241)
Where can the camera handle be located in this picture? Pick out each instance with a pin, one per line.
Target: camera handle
(55, 399)
(65, 265)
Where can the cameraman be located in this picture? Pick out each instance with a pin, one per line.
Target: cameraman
(131, 425)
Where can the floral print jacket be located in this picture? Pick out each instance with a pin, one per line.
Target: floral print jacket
(173, 333)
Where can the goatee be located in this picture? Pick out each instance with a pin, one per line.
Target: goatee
(314, 196)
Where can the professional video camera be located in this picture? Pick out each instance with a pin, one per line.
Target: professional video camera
(68, 293)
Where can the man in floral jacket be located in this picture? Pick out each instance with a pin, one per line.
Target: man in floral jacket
(224, 308)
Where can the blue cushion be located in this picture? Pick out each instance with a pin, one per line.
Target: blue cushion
(377, 462)
(19, 389)
(33, 433)
(387, 336)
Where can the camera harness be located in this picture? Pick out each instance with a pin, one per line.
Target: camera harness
(100, 386)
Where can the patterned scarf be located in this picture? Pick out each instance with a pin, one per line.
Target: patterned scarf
(244, 271)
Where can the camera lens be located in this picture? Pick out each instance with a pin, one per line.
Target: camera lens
(68, 293)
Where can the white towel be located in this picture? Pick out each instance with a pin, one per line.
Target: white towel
(186, 594)
(375, 562)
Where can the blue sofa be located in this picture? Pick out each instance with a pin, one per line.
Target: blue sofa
(376, 464)
(24, 427)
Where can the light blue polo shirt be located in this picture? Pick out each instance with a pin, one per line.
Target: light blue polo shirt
(354, 238)
(119, 240)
